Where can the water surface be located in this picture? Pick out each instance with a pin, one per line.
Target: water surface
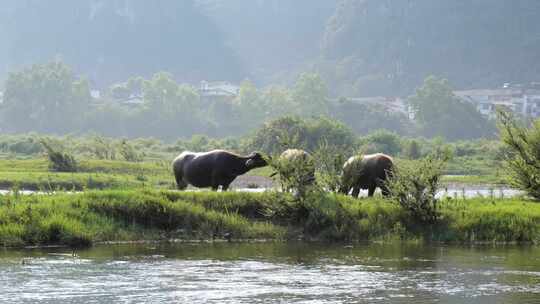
(272, 273)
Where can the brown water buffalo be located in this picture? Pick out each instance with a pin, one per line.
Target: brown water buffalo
(366, 172)
(213, 169)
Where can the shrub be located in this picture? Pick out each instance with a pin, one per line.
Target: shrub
(414, 184)
(382, 141)
(103, 148)
(329, 162)
(294, 132)
(413, 150)
(129, 153)
(59, 160)
(523, 158)
(294, 173)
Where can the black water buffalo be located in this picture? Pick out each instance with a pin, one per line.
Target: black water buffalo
(213, 169)
(366, 172)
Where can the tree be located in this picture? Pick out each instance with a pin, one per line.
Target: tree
(45, 97)
(311, 95)
(523, 159)
(170, 109)
(414, 185)
(249, 104)
(413, 150)
(294, 132)
(440, 112)
(382, 141)
(119, 91)
(277, 101)
(363, 118)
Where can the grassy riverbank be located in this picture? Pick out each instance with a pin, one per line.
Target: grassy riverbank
(33, 174)
(125, 215)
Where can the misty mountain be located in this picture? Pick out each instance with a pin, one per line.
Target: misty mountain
(386, 47)
(275, 39)
(113, 40)
(360, 47)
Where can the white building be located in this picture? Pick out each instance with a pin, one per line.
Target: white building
(218, 90)
(524, 101)
(390, 104)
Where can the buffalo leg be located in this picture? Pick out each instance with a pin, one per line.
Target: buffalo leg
(356, 191)
(385, 191)
(227, 182)
(180, 183)
(215, 185)
(371, 190)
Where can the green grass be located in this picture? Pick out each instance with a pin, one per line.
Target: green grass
(123, 215)
(488, 220)
(33, 174)
(473, 179)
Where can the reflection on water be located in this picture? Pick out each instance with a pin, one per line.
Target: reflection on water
(272, 273)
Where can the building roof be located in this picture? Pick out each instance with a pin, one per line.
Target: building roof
(218, 88)
(489, 92)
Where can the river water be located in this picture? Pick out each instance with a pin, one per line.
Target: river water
(272, 273)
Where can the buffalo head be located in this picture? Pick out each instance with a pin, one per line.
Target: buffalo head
(256, 160)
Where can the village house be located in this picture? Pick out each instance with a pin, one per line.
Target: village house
(523, 100)
(217, 91)
(390, 104)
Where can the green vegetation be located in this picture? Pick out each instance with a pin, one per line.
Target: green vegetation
(414, 184)
(104, 162)
(59, 160)
(360, 47)
(523, 161)
(441, 113)
(34, 174)
(376, 48)
(50, 98)
(123, 215)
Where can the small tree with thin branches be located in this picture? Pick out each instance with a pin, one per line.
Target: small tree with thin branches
(523, 156)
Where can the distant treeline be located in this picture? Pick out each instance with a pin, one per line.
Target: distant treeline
(479, 157)
(51, 98)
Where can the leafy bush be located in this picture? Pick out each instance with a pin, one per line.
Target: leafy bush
(294, 173)
(414, 184)
(104, 148)
(59, 160)
(129, 153)
(382, 141)
(523, 159)
(413, 150)
(329, 162)
(294, 132)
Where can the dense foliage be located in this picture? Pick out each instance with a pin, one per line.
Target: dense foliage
(361, 47)
(112, 40)
(131, 215)
(382, 47)
(50, 98)
(294, 132)
(413, 185)
(523, 159)
(440, 113)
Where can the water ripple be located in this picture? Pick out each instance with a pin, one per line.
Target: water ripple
(159, 279)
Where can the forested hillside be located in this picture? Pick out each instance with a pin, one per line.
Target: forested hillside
(113, 40)
(275, 39)
(376, 47)
(360, 47)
